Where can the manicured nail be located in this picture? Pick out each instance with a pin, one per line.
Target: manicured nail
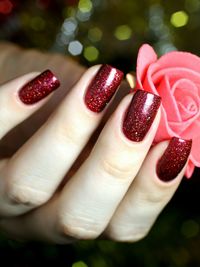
(140, 115)
(174, 159)
(103, 87)
(38, 88)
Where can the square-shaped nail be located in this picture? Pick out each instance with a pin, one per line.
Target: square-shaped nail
(102, 87)
(38, 88)
(174, 159)
(140, 115)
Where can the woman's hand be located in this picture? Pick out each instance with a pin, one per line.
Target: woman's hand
(121, 187)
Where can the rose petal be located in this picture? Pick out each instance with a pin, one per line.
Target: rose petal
(187, 99)
(192, 132)
(172, 128)
(180, 127)
(188, 112)
(164, 132)
(148, 83)
(178, 59)
(174, 74)
(190, 169)
(185, 94)
(187, 85)
(168, 100)
(146, 56)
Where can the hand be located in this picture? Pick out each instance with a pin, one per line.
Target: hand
(121, 187)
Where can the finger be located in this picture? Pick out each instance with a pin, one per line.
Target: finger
(33, 174)
(21, 97)
(90, 198)
(151, 190)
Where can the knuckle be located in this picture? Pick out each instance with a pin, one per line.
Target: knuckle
(155, 197)
(115, 167)
(79, 228)
(26, 196)
(69, 133)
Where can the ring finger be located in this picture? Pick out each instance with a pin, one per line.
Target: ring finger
(154, 186)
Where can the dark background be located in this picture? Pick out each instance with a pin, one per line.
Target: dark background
(111, 32)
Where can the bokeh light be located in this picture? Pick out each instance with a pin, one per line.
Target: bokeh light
(37, 23)
(79, 264)
(179, 19)
(91, 53)
(192, 5)
(6, 7)
(85, 6)
(69, 26)
(190, 229)
(75, 48)
(123, 32)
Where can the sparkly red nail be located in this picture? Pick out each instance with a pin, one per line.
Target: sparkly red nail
(174, 159)
(38, 88)
(102, 88)
(140, 115)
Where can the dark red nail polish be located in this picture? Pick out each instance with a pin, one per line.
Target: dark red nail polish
(174, 159)
(38, 88)
(140, 115)
(103, 87)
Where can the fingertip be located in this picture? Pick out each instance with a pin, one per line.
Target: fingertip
(125, 132)
(99, 84)
(38, 88)
(174, 159)
(167, 161)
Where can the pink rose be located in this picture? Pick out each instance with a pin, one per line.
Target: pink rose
(176, 78)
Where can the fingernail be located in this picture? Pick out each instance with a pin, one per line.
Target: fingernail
(38, 88)
(140, 115)
(103, 87)
(174, 159)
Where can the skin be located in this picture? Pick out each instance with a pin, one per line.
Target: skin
(112, 190)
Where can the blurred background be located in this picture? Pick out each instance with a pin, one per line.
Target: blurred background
(101, 31)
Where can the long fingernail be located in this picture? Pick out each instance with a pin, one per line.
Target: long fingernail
(140, 115)
(174, 159)
(103, 87)
(38, 88)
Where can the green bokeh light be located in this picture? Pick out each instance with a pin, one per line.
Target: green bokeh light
(37, 23)
(123, 32)
(85, 6)
(190, 229)
(179, 19)
(79, 264)
(91, 53)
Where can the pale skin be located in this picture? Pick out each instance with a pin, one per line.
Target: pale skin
(114, 193)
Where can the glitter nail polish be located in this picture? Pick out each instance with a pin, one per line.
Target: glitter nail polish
(38, 88)
(174, 159)
(103, 87)
(140, 115)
